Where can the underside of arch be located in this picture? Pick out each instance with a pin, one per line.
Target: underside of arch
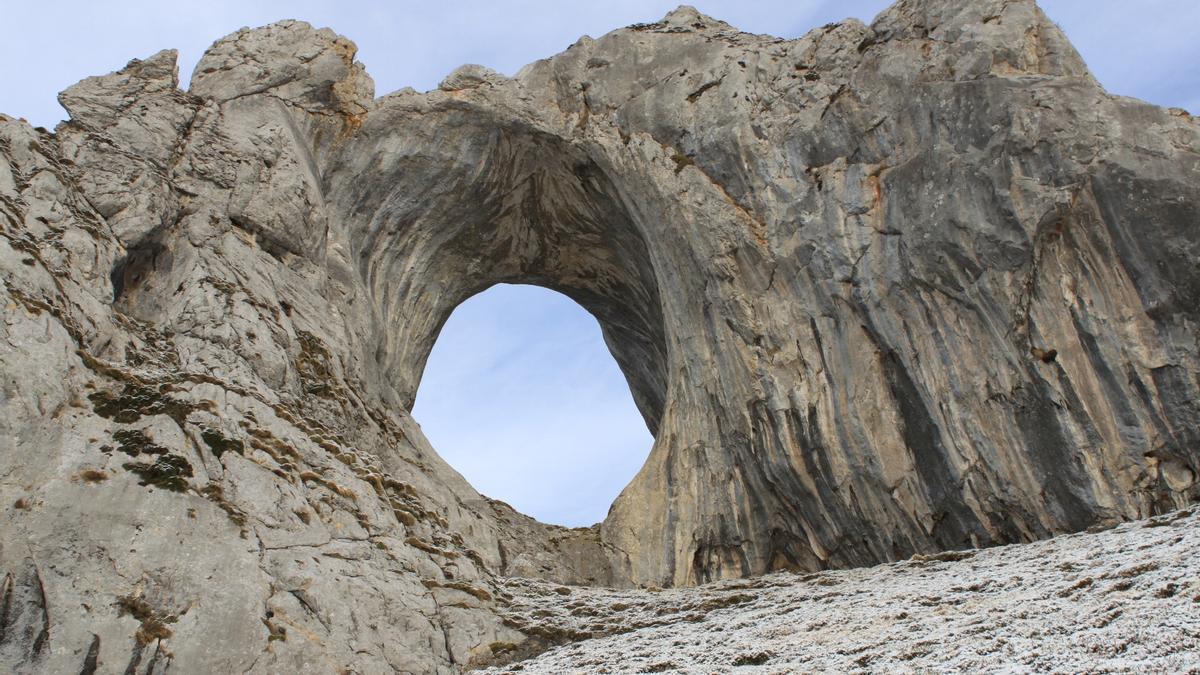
(511, 205)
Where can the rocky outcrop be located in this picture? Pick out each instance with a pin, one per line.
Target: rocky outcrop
(1089, 602)
(881, 290)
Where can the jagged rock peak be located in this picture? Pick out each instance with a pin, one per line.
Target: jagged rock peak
(470, 76)
(686, 16)
(311, 68)
(91, 97)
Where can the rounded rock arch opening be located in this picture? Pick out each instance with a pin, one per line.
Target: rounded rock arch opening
(523, 398)
(512, 206)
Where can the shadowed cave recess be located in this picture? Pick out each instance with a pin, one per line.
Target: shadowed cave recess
(513, 206)
(879, 290)
(519, 209)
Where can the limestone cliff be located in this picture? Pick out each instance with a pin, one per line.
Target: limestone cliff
(880, 290)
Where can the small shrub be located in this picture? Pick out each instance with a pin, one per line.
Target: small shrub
(154, 623)
(92, 476)
(753, 659)
(502, 648)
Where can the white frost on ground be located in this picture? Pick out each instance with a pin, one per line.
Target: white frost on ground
(1126, 599)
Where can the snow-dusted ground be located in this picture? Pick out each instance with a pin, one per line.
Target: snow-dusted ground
(1126, 599)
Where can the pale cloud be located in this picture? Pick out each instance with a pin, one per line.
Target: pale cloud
(1146, 49)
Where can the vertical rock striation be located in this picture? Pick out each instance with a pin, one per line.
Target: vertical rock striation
(879, 290)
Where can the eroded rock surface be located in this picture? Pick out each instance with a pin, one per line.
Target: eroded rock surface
(880, 290)
(1092, 602)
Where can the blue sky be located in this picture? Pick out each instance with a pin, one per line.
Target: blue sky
(522, 397)
(520, 394)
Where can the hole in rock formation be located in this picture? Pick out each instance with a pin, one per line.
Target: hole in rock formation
(506, 206)
(522, 396)
(138, 264)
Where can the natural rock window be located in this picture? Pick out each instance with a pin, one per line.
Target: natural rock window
(522, 397)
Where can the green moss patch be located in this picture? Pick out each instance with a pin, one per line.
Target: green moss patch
(135, 442)
(314, 364)
(136, 401)
(219, 444)
(682, 161)
(502, 648)
(168, 472)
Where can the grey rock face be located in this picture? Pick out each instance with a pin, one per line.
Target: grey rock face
(880, 290)
(1078, 602)
(124, 132)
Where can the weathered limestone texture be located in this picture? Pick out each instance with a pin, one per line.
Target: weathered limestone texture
(1075, 603)
(880, 290)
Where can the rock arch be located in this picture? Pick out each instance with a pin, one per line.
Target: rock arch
(466, 196)
(510, 205)
(770, 286)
